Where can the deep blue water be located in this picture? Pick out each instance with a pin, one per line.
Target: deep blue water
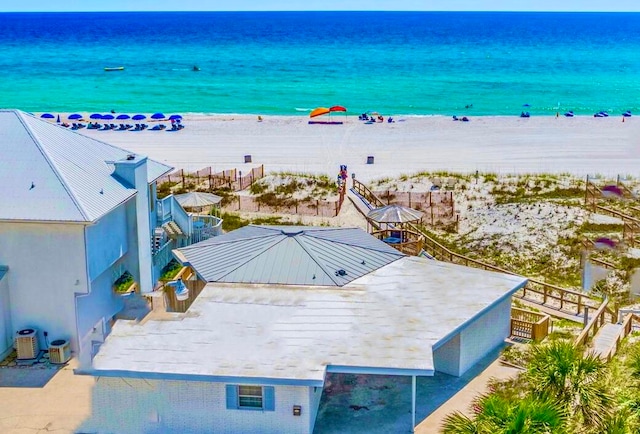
(289, 62)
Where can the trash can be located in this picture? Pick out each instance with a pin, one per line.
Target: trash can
(247, 158)
(370, 159)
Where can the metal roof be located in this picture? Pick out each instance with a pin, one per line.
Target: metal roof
(290, 255)
(50, 173)
(390, 319)
(394, 214)
(195, 199)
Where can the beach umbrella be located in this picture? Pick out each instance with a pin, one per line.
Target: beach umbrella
(138, 117)
(95, 116)
(47, 116)
(175, 117)
(338, 108)
(394, 214)
(108, 117)
(75, 116)
(122, 117)
(319, 112)
(157, 116)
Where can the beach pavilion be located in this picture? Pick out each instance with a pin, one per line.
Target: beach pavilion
(283, 307)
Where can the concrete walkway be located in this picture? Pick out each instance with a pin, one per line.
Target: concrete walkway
(462, 400)
(61, 405)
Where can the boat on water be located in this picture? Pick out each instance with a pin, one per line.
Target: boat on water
(115, 68)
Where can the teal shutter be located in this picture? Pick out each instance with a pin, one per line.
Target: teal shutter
(269, 398)
(232, 397)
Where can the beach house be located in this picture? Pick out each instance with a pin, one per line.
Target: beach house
(76, 214)
(282, 307)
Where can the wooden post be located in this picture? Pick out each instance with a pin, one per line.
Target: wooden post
(317, 206)
(585, 320)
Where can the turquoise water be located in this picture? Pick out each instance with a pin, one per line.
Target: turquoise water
(289, 62)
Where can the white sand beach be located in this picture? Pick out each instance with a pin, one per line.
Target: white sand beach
(580, 145)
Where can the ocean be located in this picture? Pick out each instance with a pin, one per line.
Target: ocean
(287, 63)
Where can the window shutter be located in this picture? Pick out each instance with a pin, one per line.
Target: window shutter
(269, 398)
(232, 397)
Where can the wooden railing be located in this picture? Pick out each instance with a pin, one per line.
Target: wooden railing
(407, 242)
(529, 325)
(597, 320)
(562, 299)
(627, 328)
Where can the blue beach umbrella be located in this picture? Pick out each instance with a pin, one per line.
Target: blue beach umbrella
(95, 116)
(157, 116)
(122, 117)
(138, 117)
(47, 116)
(175, 117)
(75, 116)
(108, 117)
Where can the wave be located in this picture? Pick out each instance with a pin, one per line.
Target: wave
(298, 109)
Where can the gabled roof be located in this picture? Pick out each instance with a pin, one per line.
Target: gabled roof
(289, 255)
(50, 173)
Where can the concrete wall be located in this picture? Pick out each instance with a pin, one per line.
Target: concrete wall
(458, 354)
(6, 333)
(47, 268)
(102, 303)
(126, 405)
(107, 241)
(485, 334)
(446, 359)
(315, 393)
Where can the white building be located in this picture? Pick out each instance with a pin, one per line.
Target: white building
(283, 307)
(76, 213)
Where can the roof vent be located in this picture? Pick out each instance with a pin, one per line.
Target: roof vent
(131, 157)
(341, 272)
(291, 232)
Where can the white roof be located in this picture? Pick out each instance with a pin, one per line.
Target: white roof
(50, 173)
(388, 319)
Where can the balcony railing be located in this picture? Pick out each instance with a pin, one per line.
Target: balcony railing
(204, 227)
(406, 241)
(195, 227)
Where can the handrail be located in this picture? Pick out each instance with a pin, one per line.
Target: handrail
(594, 323)
(627, 327)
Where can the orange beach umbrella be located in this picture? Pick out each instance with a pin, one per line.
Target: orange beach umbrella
(319, 112)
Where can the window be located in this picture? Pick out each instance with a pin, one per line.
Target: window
(249, 396)
(241, 397)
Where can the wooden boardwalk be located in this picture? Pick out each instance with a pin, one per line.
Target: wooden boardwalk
(605, 340)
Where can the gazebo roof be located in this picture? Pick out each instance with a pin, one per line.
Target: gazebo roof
(394, 214)
(197, 199)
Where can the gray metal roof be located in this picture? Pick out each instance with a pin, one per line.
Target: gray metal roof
(50, 173)
(195, 199)
(289, 255)
(394, 214)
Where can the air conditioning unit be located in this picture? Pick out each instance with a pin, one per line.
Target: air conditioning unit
(26, 343)
(59, 351)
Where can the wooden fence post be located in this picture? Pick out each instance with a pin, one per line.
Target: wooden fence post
(317, 207)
